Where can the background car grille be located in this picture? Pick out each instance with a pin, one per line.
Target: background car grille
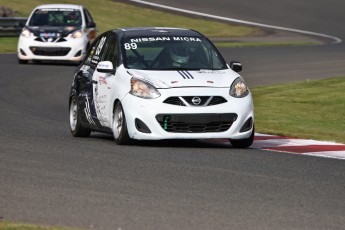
(188, 100)
(40, 39)
(196, 123)
(50, 51)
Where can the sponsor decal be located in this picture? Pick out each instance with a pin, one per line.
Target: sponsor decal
(212, 71)
(47, 35)
(132, 43)
(100, 46)
(150, 39)
(100, 104)
(102, 81)
(185, 74)
(88, 111)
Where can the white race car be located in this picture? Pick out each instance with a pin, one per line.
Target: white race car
(56, 32)
(160, 83)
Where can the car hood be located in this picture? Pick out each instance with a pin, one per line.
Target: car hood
(186, 78)
(52, 31)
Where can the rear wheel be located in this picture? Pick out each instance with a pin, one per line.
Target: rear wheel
(243, 143)
(76, 129)
(119, 126)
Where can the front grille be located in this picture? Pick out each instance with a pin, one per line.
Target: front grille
(196, 123)
(217, 100)
(201, 100)
(174, 101)
(50, 51)
(43, 39)
(195, 100)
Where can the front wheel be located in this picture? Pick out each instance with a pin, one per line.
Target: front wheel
(21, 61)
(119, 126)
(74, 121)
(243, 143)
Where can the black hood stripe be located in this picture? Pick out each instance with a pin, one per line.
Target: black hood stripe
(185, 74)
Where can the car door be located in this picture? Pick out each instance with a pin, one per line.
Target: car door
(85, 85)
(103, 83)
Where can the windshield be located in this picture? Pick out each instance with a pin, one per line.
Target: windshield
(171, 53)
(55, 17)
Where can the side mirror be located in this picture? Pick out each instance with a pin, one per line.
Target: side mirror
(236, 66)
(105, 67)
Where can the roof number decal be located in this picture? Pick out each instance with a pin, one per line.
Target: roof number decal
(129, 46)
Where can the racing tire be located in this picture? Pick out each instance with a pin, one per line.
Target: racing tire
(21, 61)
(243, 143)
(119, 126)
(76, 129)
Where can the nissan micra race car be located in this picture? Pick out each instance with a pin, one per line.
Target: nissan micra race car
(160, 83)
(56, 32)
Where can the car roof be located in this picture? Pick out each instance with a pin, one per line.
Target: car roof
(68, 6)
(157, 31)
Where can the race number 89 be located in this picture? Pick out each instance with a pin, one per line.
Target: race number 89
(129, 46)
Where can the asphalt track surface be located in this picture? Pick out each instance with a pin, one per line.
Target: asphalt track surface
(49, 177)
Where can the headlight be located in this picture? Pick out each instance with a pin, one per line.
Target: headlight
(239, 88)
(77, 34)
(25, 33)
(143, 89)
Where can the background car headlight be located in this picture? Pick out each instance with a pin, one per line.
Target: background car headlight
(77, 34)
(26, 33)
(143, 89)
(239, 88)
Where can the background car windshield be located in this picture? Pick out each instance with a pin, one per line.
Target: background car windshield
(56, 17)
(169, 53)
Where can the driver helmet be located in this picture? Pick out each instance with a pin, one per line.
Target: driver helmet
(72, 17)
(180, 55)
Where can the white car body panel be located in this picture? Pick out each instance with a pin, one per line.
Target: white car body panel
(116, 87)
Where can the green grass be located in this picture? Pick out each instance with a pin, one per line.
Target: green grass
(8, 45)
(309, 109)
(16, 226)
(259, 44)
(111, 14)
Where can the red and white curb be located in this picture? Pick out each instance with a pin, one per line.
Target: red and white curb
(299, 146)
(296, 146)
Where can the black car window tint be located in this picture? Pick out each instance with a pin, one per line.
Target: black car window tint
(110, 50)
(114, 51)
(94, 53)
(87, 20)
(88, 16)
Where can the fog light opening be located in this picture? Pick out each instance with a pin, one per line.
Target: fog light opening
(22, 52)
(141, 126)
(247, 125)
(78, 53)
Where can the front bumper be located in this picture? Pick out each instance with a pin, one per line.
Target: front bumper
(167, 121)
(71, 49)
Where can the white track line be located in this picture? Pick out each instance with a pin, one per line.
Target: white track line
(335, 39)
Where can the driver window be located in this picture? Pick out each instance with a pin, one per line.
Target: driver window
(111, 51)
